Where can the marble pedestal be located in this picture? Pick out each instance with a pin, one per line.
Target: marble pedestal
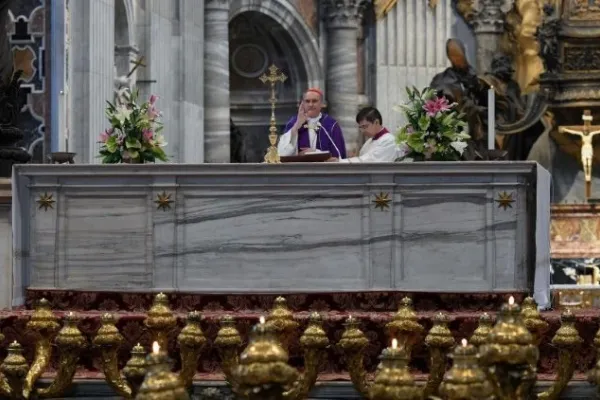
(257, 228)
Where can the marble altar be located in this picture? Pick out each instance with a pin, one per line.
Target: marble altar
(257, 228)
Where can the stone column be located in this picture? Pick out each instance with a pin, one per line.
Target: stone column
(216, 82)
(6, 251)
(488, 26)
(343, 21)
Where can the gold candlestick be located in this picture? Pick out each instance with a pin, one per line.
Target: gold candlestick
(439, 340)
(405, 326)
(263, 371)
(509, 356)
(135, 369)
(70, 343)
(280, 322)
(533, 321)
(274, 76)
(568, 341)
(228, 342)
(161, 321)
(191, 340)
(14, 368)
(466, 380)
(393, 379)
(160, 382)
(483, 330)
(353, 344)
(44, 325)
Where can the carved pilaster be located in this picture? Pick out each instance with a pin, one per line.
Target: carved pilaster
(488, 20)
(216, 82)
(344, 13)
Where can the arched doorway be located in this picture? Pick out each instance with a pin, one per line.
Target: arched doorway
(255, 42)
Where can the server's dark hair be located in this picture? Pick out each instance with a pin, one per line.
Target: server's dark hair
(370, 114)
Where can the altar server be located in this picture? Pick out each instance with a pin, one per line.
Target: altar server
(381, 144)
(312, 130)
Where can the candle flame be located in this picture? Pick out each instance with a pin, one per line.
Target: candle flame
(14, 342)
(155, 348)
(262, 319)
(464, 342)
(70, 313)
(394, 343)
(350, 317)
(138, 345)
(511, 300)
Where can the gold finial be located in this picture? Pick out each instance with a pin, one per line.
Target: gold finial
(273, 77)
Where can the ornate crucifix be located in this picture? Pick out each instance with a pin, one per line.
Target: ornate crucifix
(587, 133)
(274, 76)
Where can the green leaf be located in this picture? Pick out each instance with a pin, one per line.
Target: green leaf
(133, 143)
(423, 123)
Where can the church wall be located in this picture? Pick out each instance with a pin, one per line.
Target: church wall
(29, 38)
(411, 49)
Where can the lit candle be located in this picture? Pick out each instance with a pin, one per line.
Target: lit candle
(70, 313)
(511, 301)
(262, 319)
(491, 118)
(394, 343)
(14, 342)
(350, 318)
(463, 342)
(155, 348)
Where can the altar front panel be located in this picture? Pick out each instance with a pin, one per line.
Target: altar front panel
(275, 228)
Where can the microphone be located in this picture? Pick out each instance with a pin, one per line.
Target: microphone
(330, 139)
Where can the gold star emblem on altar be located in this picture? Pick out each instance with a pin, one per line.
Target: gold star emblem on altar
(382, 201)
(46, 201)
(505, 200)
(163, 200)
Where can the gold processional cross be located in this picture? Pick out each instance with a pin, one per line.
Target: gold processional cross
(587, 133)
(136, 64)
(274, 76)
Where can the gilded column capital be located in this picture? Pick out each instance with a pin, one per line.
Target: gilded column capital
(344, 13)
(216, 5)
(489, 15)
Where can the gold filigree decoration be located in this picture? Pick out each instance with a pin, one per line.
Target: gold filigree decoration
(163, 201)
(382, 201)
(46, 201)
(505, 200)
(382, 7)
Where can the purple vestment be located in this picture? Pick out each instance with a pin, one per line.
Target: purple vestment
(329, 136)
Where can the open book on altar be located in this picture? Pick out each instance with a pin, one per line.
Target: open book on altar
(313, 156)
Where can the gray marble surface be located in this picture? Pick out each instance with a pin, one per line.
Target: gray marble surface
(278, 228)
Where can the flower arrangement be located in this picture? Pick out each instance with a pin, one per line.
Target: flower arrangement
(134, 135)
(435, 130)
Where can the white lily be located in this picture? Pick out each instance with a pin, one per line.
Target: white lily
(459, 146)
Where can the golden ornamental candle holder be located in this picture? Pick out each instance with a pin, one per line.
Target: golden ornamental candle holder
(480, 335)
(70, 342)
(439, 340)
(228, 343)
(14, 369)
(109, 340)
(533, 320)
(353, 344)
(160, 383)
(135, 369)
(393, 380)
(44, 326)
(466, 380)
(280, 321)
(161, 321)
(404, 326)
(568, 341)
(593, 375)
(313, 341)
(191, 340)
(263, 372)
(510, 356)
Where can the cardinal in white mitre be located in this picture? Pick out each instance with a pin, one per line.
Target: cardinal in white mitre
(381, 144)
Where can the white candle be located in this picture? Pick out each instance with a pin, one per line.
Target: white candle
(491, 119)
(261, 319)
(463, 342)
(155, 348)
(394, 343)
(511, 300)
